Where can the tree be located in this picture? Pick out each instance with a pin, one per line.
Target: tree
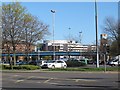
(0, 33)
(20, 26)
(34, 31)
(12, 17)
(112, 28)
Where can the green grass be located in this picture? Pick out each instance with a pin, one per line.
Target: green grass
(32, 67)
(86, 69)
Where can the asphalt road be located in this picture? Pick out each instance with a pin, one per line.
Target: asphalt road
(59, 80)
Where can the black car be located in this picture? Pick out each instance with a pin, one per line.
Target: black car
(21, 63)
(34, 62)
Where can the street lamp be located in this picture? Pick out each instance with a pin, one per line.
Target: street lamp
(97, 54)
(69, 41)
(80, 36)
(53, 22)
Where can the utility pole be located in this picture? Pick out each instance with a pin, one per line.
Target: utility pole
(96, 22)
(53, 22)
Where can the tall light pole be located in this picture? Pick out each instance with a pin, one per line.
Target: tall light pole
(96, 22)
(80, 36)
(53, 22)
(69, 47)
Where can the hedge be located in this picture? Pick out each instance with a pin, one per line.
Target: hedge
(24, 67)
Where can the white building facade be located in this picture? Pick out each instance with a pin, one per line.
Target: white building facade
(67, 45)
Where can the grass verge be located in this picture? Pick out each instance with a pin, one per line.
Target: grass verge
(86, 69)
(33, 67)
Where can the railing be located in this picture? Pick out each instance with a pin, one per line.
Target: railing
(50, 53)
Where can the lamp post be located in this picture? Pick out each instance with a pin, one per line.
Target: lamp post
(97, 54)
(69, 41)
(80, 36)
(53, 22)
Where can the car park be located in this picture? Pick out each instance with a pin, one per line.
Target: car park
(54, 64)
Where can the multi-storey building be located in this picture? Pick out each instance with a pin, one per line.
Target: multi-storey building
(21, 47)
(67, 45)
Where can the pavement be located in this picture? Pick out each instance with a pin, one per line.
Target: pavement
(53, 79)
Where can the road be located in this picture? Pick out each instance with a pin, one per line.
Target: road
(47, 79)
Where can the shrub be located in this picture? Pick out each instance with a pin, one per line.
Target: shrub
(29, 67)
(75, 63)
(25, 67)
(5, 67)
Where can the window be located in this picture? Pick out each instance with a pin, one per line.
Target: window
(59, 62)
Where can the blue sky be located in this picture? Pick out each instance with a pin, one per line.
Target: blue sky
(79, 16)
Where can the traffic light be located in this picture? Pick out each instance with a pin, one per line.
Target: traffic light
(108, 49)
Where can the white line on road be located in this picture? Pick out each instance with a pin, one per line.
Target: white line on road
(48, 80)
(38, 82)
(19, 81)
(16, 75)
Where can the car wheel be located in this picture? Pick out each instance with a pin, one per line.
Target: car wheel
(53, 66)
(65, 66)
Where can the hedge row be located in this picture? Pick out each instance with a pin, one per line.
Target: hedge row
(24, 67)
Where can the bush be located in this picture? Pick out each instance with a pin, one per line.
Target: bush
(29, 67)
(75, 63)
(6, 67)
(23, 67)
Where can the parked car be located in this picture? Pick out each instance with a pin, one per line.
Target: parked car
(5, 63)
(21, 63)
(34, 62)
(42, 62)
(114, 62)
(54, 64)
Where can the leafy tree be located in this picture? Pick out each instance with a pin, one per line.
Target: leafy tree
(33, 31)
(20, 26)
(12, 17)
(112, 28)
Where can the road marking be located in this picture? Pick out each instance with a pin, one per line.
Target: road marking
(48, 80)
(16, 75)
(19, 81)
(38, 82)
(53, 83)
(87, 80)
(77, 80)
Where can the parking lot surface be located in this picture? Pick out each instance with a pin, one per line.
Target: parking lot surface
(60, 80)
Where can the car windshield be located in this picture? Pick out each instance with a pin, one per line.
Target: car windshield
(115, 60)
(50, 61)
